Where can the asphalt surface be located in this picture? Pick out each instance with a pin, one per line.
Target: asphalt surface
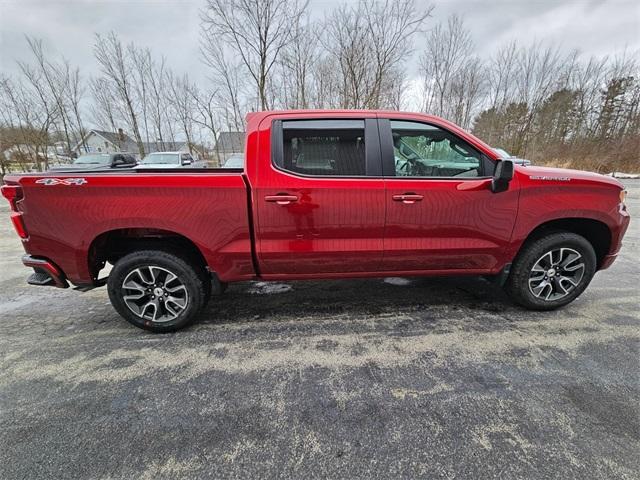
(433, 378)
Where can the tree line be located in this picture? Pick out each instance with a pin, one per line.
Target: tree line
(533, 100)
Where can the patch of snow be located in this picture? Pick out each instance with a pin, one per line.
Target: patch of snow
(18, 303)
(398, 281)
(267, 288)
(624, 175)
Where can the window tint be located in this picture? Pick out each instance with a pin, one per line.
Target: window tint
(422, 150)
(323, 147)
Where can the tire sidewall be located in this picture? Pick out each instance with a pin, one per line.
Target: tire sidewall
(189, 276)
(519, 279)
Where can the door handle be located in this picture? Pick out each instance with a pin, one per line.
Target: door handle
(281, 199)
(408, 198)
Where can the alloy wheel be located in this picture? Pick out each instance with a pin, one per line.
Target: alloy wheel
(154, 293)
(556, 274)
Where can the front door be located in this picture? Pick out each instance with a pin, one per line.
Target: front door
(319, 209)
(441, 214)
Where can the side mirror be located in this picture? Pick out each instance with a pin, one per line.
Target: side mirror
(118, 162)
(186, 161)
(502, 176)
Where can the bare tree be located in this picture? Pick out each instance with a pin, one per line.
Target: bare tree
(103, 106)
(141, 63)
(28, 108)
(256, 31)
(369, 42)
(297, 63)
(182, 105)
(452, 77)
(115, 66)
(158, 104)
(53, 81)
(206, 113)
(228, 79)
(74, 94)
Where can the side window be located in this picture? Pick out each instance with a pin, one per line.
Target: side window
(323, 147)
(422, 150)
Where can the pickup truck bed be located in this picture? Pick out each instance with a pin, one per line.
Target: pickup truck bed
(210, 208)
(323, 194)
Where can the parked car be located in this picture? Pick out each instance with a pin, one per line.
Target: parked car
(98, 161)
(170, 160)
(235, 160)
(325, 194)
(504, 155)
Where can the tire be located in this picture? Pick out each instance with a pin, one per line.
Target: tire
(158, 290)
(551, 271)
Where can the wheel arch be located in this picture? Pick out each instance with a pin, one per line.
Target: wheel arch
(111, 245)
(596, 232)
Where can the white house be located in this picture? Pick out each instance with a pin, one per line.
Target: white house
(99, 141)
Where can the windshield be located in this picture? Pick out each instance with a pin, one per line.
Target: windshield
(98, 159)
(162, 158)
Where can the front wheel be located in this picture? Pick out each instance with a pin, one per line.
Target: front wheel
(552, 271)
(157, 290)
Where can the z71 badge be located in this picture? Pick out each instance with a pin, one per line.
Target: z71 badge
(62, 181)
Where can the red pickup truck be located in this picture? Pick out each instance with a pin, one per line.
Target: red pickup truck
(323, 194)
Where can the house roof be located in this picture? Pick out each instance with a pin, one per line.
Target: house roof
(128, 144)
(230, 142)
(114, 137)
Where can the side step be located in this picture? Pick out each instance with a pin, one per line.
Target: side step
(41, 279)
(98, 283)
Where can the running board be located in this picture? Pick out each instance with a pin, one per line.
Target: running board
(98, 283)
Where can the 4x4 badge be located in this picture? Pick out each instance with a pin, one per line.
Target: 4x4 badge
(62, 181)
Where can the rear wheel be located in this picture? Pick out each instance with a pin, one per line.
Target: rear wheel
(158, 290)
(552, 271)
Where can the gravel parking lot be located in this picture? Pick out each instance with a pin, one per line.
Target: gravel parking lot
(436, 378)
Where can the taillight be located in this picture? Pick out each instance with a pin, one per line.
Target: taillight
(18, 224)
(13, 193)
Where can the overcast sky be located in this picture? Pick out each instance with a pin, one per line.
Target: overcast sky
(171, 27)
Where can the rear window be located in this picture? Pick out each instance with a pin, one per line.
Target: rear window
(323, 147)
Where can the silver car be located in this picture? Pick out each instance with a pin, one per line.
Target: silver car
(170, 160)
(504, 155)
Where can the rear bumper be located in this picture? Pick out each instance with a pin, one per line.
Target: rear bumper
(44, 268)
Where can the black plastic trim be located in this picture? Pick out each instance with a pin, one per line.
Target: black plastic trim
(373, 160)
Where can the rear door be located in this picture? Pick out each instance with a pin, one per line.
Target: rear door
(440, 211)
(319, 198)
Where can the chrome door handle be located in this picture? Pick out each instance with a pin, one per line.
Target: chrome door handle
(281, 199)
(408, 198)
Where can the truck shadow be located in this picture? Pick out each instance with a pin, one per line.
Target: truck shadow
(256, 301)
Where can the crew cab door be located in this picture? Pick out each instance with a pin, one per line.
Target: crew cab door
(319, 209)
(440, 211)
